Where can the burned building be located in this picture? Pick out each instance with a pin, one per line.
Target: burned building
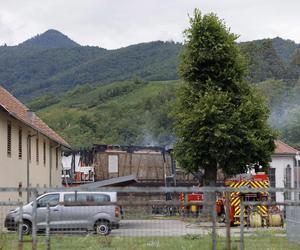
(152, 166)
(119, 166)
(148, 166)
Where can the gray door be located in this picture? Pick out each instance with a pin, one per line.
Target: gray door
(55, 209)
(75, 212)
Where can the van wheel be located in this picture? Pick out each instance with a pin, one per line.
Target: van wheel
(102, 227)
(26, 227)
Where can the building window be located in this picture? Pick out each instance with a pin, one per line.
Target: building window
(113, 163)
(9, 139)
(56, 158)
(20, 143)
(288, 177)
(288, 181)
(272, 175)
(37, 151)
(44, 153)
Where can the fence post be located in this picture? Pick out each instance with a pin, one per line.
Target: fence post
(242, 243)
(34, 215)
(214, 222)
(227, 205)
(48, 245)
(20, 227)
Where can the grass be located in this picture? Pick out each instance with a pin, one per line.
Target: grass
(266, 240)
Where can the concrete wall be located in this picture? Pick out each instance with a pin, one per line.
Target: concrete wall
(280, 163)
(14, 169)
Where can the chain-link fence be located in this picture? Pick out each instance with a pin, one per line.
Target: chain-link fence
(148, 218)
(293, 223)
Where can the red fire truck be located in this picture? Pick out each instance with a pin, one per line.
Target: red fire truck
(255, 216)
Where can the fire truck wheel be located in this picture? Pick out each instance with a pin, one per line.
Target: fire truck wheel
(255, 220)
(275, 220)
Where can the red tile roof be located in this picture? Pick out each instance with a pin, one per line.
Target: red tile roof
(19, 111)
(282, 148)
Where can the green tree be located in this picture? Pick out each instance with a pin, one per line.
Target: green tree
(294, 66)
(220, 123)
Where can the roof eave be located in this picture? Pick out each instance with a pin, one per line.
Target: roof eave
(66, 145)
(284, 154)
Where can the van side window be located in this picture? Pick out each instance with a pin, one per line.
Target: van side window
(69, 197)
(81, 197)
(85, 199)
(52, 199)
(75, 197)
(99, 197)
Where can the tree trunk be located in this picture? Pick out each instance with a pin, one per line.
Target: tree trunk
(210, 176)
(210, 180)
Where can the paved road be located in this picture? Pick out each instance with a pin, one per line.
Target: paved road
(178, 228)
(163, 227)
(157, 228)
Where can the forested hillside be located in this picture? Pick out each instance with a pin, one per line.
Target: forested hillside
(124, 96)
(52, 63)
(128, 112)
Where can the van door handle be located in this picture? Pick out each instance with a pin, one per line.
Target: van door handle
(56, 209)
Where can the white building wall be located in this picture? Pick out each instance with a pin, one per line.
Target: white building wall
(280, 163)
(13, 170)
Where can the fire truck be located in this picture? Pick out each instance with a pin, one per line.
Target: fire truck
(194, 203)
(255, 216)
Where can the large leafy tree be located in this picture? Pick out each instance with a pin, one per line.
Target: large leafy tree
(219, 121)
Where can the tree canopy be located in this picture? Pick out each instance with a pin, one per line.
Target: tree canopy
(220, 122)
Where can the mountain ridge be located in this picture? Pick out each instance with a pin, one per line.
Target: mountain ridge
(32, 71)
(49, 39)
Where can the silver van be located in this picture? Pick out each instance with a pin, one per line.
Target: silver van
(92, 211)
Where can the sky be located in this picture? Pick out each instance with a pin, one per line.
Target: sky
(118, 23)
